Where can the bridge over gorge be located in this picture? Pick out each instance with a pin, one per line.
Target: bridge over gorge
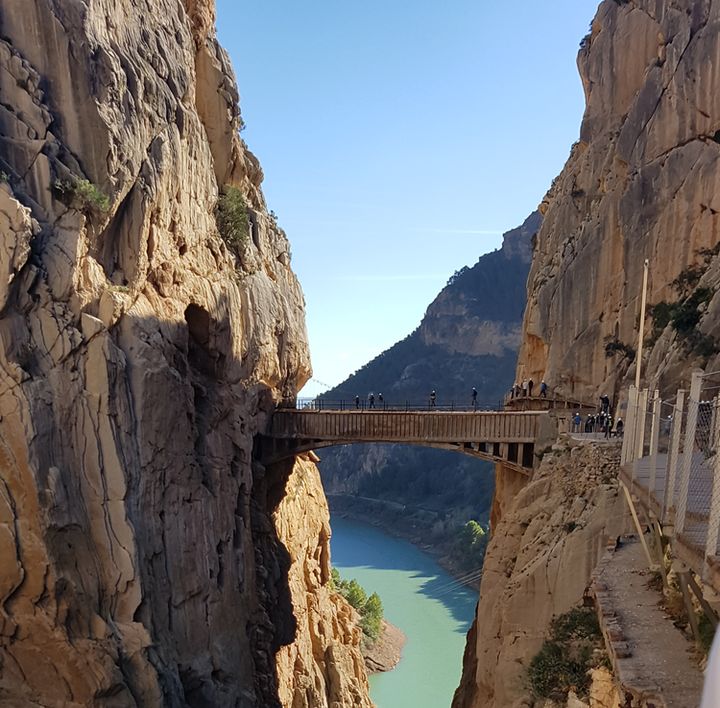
(508, 437)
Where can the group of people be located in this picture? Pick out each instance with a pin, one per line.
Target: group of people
(371, 401)
(525, 389)
(473, 398)
(379, 402)
(600, 422)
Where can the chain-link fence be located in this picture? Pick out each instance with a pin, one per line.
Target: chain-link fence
(670, 454)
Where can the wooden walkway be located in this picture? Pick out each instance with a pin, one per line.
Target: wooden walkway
(507, 437)
(651, 658)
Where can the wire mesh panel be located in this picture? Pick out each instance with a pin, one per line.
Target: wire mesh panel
(665, 424)
(678, 418)
(672, 451)
(708, 443)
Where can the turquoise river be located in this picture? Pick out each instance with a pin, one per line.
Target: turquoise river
(422, 600)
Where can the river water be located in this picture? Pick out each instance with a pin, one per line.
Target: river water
(422, 600)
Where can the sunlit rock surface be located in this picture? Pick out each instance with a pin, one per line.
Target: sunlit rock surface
(642, 182)
(140, 557)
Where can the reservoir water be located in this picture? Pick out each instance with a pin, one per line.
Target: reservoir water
(422, 600)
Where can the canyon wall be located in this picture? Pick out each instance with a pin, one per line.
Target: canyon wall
(643, 181)
(538, 564)
(142, 551)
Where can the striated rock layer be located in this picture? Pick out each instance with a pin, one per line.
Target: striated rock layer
(538, 565)
(141, 556)
(642, 182)
(331, 635)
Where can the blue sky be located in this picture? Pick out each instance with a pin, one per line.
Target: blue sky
(398, 141)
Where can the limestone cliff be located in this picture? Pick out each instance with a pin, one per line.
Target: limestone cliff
(333, 634)
(642, 182)
(141, 550)
(538, 564)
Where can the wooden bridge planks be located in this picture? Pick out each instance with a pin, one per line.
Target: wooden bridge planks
(397, 426)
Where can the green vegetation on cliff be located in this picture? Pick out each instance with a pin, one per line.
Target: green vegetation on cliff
(468, 550)
(369, 607)
(574, 647)
(231, 217)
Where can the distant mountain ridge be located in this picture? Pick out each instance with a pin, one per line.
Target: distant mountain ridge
(468, 337)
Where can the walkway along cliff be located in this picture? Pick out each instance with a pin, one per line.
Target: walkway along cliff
(149, 321)
(642, 182)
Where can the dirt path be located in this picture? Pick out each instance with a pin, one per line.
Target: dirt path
(660, 663)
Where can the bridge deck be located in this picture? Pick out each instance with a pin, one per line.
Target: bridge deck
(506, 437)
(401, 426)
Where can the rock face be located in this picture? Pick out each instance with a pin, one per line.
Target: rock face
(642, 182)
(141, 556)
(330, 636)
(538, 564)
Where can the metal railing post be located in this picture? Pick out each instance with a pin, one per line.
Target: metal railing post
(673, 457)
(640, 418)
(654, 441)
(688, 450)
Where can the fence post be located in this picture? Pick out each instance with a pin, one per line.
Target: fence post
(673, 457)
(688, 451)
(641, 421)
(641, 415)
(654, 441)
(629, 434)
(714, 520)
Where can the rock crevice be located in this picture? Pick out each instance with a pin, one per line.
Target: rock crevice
(141, 554)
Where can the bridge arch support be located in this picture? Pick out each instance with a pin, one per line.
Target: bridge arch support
(506, 437)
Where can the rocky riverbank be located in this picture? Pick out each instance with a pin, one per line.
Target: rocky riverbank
(385, 653)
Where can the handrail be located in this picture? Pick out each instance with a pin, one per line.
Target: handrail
(322, 404)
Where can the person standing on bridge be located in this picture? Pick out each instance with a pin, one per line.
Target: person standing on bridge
(371, 400)
(524, 388)
(577, 419)
(432, 398)
(608, 426)
(543, 389)
(357, 402)
(605, 403)
(474, 398)
(531, 383)
(381, 401)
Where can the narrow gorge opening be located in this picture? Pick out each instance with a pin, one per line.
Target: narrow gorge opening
(401, 517)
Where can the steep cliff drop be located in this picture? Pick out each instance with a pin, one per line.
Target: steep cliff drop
(642, 182)
(141, 549)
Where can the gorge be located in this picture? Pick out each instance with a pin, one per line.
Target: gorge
(151, 325)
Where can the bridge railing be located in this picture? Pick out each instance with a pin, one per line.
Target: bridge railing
(323, 404)
(671, 457)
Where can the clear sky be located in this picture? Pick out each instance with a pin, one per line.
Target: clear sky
(399, 139)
